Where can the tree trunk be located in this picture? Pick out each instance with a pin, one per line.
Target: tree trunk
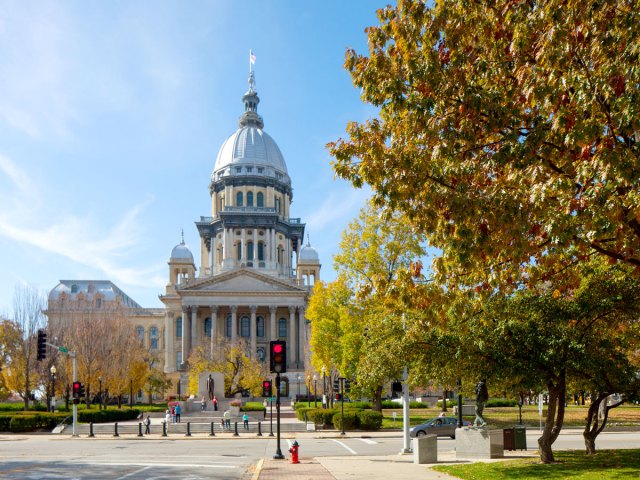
(444, 400)
(376, 404)
(593, 427)
(554, 419)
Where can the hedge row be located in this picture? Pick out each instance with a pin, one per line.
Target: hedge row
(390, 405)
(109, 415)
(252, 407)
(353, 418)
(30, 422)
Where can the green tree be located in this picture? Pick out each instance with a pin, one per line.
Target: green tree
(508, 133)
(548, 339)
(356, 322)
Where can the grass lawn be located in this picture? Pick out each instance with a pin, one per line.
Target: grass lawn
(605, 464)
(502, 417)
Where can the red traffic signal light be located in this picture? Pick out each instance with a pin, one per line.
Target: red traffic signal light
(278, 356)
(266, 388)
(76, 389)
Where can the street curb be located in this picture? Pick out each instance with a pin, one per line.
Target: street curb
(256, 474)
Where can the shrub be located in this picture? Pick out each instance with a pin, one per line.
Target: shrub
(360, 405)
(322, 417)
(11, 407)
(4, 423)
(29, 423)
(252, 407)
(390, 405)
(109, 415)
(369, 419)
(350, 420)
(301, 412)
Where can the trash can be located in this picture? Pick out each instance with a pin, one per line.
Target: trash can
(520, 435)
(509, 441)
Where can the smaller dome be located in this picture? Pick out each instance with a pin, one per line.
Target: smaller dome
(181, 252)
(309, 254)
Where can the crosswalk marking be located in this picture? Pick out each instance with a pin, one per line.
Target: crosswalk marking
(348, 448)
(368, 440)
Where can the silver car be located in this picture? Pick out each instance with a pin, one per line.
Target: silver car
(441, 426)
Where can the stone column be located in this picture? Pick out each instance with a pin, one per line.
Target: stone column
(272, 323)
(234, 324)
(293, 358)
(302, 337)
(185, 334)
(243, 248)
(194, 327)
(169, 335)
(255, 247)
(252, 332)
(214, 328)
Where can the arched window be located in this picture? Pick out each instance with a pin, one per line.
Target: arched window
(244, 327)
(250, 251)
(239, 199)
(207, 327)
(239, 250)
(260, 251)
(179, 327)
(260, 199)
(249, 199)
(74, 288)
(228, 327)
(260, 326)
(278, 205)
(140, 334)
(282, 327)
(153, 338)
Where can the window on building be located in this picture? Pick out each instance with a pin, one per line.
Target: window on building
(239, 199)
(282, 327)
(250, 251)
(260, 251)
(153, 338)
(249, 199)
(207, 327)
(74, 288)
(227, 330)
(239, 250)
(278, 205)
(140, 334)
(260, 326)
(98, 303)
(260, 199)
(284, 387)
(249, 169)
(238, 169)
(244, 327)
(179, 327)
(260, 170)
(178, 360)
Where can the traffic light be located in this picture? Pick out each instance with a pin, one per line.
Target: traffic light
(278, 356)
(266, 388)
(76, 389)
(338, 396)
(347, 386)
(81, 392)
(42, 345)
(336, 385)
(396, 387)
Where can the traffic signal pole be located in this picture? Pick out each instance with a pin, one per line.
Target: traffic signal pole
(74, 428)
(278, 455)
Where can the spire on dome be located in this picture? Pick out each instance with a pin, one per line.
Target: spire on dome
(182, 235)
(250, 117)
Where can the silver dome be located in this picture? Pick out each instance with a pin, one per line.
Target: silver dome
(250, 146)
(309, 254)
(181, 252)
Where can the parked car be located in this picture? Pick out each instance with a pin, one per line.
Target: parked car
(441, 426)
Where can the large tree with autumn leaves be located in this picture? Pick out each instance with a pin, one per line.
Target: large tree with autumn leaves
(508, 133)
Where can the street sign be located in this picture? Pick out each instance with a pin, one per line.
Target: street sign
(63, 349)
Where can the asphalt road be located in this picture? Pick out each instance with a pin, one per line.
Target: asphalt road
(54, 457)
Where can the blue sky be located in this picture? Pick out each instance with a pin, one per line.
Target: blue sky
(112, 113)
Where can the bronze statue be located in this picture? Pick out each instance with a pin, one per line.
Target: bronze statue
(482, 395)
(210, 387)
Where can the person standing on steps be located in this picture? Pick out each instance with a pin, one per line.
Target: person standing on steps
(178, 412)
(215, 403)
(147, 425)
(203, 404)
(245, 420)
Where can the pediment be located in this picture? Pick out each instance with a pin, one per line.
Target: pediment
(241, 281)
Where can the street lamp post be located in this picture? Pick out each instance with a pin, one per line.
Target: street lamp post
(298, 378)
(53, 387)
(100, 393)
(309, 390)
(324, 387)
(315, 392)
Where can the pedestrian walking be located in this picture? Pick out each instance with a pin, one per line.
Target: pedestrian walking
(147, 425)
(167, 417)
(245, 421)
(215, 403)
(227, 420)
(178, 412)
(173, 414)
(203, 404)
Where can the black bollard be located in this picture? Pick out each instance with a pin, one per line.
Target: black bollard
(164, 429)
(115, 433)
(236, 434)
(91, 435)
(188, 434)
(259, 429)
(140, 429)
(212, 434)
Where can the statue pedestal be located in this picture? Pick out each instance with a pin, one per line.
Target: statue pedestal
(478, 443)
(425, 449)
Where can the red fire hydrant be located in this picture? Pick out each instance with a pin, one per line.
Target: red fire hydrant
(294, 452)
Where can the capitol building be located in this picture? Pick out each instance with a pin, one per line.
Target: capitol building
(255, 272)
